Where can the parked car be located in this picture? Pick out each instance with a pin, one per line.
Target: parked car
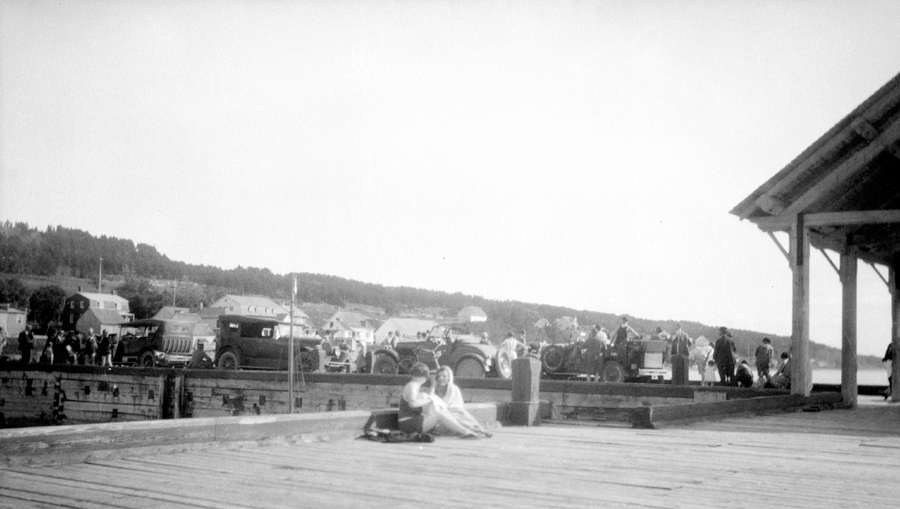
(152, 342)
(638, 360)
(249, 342)
(466, 355)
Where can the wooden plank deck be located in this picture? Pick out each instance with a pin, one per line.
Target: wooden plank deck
(834, 458)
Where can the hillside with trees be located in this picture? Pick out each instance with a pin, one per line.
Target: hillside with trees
(39, 268)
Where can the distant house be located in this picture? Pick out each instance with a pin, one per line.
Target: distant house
(172, 312)
(566, 322)
(248, 305)
(349, 324)
(542, 323)
(244, 305)
(471, 314)
(300, 318)
(85, 310)
(12, 320)
(99, 320)
(408, 327)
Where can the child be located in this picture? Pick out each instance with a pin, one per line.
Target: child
(709, 376)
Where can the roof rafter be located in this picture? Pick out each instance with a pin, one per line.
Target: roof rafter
(885, 141)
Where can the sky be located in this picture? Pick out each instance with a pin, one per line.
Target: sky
(580, 154)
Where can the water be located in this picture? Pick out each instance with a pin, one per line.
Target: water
(863, 376)
(824, 376)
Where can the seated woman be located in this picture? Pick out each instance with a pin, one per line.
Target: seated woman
(421, 411)
(445, 389)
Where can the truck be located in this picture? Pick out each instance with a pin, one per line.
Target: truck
(636, 360)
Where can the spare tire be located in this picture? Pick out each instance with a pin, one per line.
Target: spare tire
(553, 358)
(503, 364)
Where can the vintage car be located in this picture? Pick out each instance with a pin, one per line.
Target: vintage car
(249, 342)
(154, 342)
(639, 360)
(466, 355)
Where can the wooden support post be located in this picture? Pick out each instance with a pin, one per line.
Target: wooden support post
(801, 377)
(894, 285)
(526, 389)
(848, 326)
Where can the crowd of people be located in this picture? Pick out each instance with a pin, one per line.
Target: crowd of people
(69, 348)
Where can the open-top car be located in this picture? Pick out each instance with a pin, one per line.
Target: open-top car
(250, 342)
(466, 355)
(156, 342)
(639, 360)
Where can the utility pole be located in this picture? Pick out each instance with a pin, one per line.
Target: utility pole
(100, 277)
(291, 350)
(174, 292)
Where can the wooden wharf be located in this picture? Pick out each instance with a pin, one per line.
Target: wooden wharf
(800, 459)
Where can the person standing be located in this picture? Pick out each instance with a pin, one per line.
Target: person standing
(888, 362)
(595, 347)
(705, 361)
(723, 353)
(622, 332)
(512, 345)
(764, 354)
(103, 350)
(681, 342)
(26, 344)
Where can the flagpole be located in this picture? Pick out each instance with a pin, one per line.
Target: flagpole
(291, 351)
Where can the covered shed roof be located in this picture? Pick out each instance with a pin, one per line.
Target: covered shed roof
(846, 184)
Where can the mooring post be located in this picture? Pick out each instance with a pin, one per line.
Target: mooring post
(526, 389)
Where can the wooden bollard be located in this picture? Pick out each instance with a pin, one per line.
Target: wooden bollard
(526, 389)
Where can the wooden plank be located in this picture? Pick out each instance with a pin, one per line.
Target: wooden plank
(800, 373)
(848, 274)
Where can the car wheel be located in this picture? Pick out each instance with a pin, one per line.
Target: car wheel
(469, 368)
(613, 372)
(309, 361)
(147, 360)
(553, 359)
(230, 360)
(385, 365)
(504, 364)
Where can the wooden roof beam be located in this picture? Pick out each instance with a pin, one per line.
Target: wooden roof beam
(835, 139)
(859, 217)
(885, 141)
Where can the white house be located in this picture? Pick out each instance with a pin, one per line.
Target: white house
(408, 327)
(349, 324)
(105, 306)
(12, 320)
(471, 314)
(248, 305)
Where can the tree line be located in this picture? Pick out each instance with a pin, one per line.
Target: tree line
(67, 252)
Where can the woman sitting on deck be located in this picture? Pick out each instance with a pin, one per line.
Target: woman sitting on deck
(421, 411)
(450, 394)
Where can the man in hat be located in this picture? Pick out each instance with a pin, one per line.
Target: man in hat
(723, 353)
